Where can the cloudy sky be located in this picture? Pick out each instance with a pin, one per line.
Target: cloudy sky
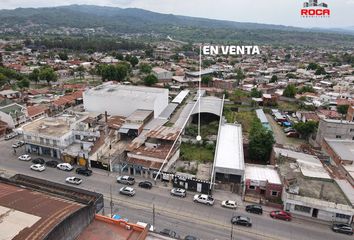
(284, 12)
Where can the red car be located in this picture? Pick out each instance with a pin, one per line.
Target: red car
(281, 215)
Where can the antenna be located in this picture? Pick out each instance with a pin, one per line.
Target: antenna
(199, 137)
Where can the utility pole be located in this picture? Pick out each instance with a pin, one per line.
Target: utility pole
(232, 231)
(153, 215)
(111, 202)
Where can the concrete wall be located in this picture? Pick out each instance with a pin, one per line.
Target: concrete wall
(332, 129)
(8, 119)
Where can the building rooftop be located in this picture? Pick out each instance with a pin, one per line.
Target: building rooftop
(230, 148)
(110, 229)
(164, 133)
(159, 70)
(27, 214)
(262, 117)
(54, 127)
(139, 116)
(262, 173)
(325, 190)
(14, 109)
(343, 148)
(125, 90)
(180, 97)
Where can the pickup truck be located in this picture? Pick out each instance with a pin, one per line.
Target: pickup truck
(203, 198)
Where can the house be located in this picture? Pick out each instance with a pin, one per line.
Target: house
(309, 190)
(10, 94)
(263, 183)
(334, 129)
(162, 74)
(13, 114)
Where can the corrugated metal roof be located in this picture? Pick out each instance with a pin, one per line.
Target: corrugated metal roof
(50, 210)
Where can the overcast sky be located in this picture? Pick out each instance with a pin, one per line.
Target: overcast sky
(284, 12)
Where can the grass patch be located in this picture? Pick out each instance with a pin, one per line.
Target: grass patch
(191, 152)
(288, 106)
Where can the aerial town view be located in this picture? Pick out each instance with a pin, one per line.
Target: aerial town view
(190, 120)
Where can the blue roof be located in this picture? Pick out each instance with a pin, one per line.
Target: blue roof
(262, 117)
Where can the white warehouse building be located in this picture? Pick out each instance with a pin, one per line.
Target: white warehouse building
(123, 100)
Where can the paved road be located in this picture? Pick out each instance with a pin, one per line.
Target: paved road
(181, 215)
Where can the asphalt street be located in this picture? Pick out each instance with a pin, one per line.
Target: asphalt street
(179, 214)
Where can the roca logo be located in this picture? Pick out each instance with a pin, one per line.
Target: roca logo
(314, 9)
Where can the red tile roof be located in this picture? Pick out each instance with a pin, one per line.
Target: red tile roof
(36, 110)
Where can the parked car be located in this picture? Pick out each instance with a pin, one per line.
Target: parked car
(18, 144)
(169, 233)
(24, 157)
(229, 204)
(11, 135)
(144, 225)
(38, 161)
(145, 184)
(289, 129)
(84, 171)
(281, 215)
(73, 180)
(203, 198)
(127, 191)
(190, 237)
(38, 167)
(342, 228)
(240, 220)
(254, 209)
(52, 163)
(126, 180)
(179, 192)
(292, 134)
(65, 166)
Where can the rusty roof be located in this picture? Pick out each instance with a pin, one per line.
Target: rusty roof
(43, 212)
(160, 152)
(110, 229)
(165, 133)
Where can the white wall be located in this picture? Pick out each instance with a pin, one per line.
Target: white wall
(8, 119)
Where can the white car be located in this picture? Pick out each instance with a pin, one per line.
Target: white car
(229, 204)
(203, 198)
(180, 192)
(38, 167)
(143, 224)
(65, 166)
(127, 191)
(24, 157)
(74, 180)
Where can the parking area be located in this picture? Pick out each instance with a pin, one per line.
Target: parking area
(280, 136)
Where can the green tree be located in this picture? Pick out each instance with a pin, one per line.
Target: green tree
(145, 68)
(63, 56)
(206, 80)
(240, 75)
(312, 66)
(120, 56)
(305, 129)
(24, 83)
(291, 75)
(306, 89)
(274, 79)
(134, 61)
(261, 142)
(320, 71)
(342, 109)
(34, 75)
(290, 91)
(47, 73)
(256, 93)
(150, 80)
(81, 71)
